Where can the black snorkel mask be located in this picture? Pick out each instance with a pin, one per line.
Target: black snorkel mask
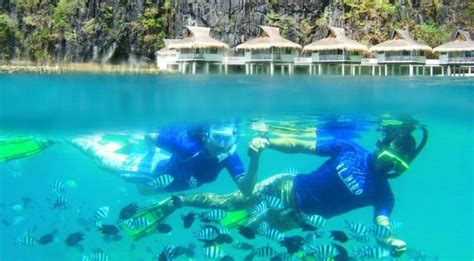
(399, 163)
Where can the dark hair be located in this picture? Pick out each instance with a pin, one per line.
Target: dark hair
(405, 145)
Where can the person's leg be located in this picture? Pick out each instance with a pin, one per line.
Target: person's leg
(276, 185)
(102, 153)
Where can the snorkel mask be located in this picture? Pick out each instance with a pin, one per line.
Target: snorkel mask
(399, 162)
(221, 140)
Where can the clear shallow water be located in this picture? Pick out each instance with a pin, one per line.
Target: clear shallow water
(434, 198)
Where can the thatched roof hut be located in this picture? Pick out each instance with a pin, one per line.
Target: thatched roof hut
(197, 37)
(269, 37)
(462, 42)
(336, 39)
(400, 41)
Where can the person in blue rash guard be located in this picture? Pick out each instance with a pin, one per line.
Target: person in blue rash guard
(351, 178)
(179, 159)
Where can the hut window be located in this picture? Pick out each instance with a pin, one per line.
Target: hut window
(213, 50)
(406, 53)
(339, 51)
(470, 54)
(287, 50)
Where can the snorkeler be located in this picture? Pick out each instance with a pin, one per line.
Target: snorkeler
(351, 178)
(176, 159)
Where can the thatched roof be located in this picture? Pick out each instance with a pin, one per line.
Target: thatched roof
(400, 41)
(197, 37)
(167, 50)
(336, 39)
(269, 37)
(462, 42)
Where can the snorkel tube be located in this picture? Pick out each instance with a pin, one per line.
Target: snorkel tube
(408, 160)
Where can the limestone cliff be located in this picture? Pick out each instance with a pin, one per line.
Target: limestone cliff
(129, 31)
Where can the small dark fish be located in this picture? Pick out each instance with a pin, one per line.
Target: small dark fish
(48, 238)
(224, 239)
(247, 232)
(339, 235)
(243, 246)
(308, 227)
(73, 239)
(188, 220)
(187, 251)
(164, 228)
(226, 258)
(109, 229)
(343, 255)
(293, 244)
(166, 254)
(128, 211)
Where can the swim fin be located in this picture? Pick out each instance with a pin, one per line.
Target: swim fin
(20, 147)
(235, 219)
(147, 219)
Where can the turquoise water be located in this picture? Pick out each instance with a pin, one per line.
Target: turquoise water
(434, 198)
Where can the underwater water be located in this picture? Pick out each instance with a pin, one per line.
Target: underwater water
(433, 200)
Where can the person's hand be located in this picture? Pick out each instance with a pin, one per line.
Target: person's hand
(397, 247)
(258, 144)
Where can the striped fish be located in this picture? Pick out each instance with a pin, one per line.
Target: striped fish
(60, 203)
(283, 257)
(212, 252)
(128, 223)
(273, 202)
(271, 233)
(140, 222)
(26, 240)
(373, 252)
(266, 251)
(325, 251)
(101, 214)
(259, 209)
(396, 224)
(357, 229)
(206, 233)
(166, 254)
(224, 231)
(362, 239)
(381, 232)
(214, 215)
(161, 181)
(99, 256)
(314, 220)
(58, 186)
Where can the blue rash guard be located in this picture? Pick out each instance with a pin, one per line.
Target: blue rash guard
(345, 182)
(190, 164)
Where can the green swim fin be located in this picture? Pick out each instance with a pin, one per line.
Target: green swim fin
(20, 147)
(149, 217)
(235, 219)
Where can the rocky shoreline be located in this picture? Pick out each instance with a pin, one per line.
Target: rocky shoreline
(80, 68)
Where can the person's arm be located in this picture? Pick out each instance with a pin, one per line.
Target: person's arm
(382, 209)
(245, 180)
(286, 145)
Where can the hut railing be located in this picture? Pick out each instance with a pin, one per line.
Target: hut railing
(460, 60)
(272, 57)
(199, 56)
(339, 57)
(401, 58)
